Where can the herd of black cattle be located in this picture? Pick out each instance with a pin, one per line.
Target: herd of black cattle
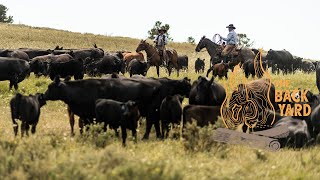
(118, 101)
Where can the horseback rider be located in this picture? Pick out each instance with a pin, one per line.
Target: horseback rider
(231, 40)
(161, 40)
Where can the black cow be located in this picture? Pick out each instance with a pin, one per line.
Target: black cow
(299, 135)
(203, 115)
(26, 109)
(170, 112)
(13, 69)
(137, 67)
(63, 69)
(183, 62)
(118, 114)
(199, 65)
(32, 53)
(283, 59)
(40, 64)
(206, 92)
(107, 65)
(254, 68)
(14, 54)
(80, 95)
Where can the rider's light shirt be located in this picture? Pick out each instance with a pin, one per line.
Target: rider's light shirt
(232, 38)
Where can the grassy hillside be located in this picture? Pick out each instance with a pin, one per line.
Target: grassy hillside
(53, 154)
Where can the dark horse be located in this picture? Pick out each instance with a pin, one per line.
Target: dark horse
(215, 50)
(153, 57)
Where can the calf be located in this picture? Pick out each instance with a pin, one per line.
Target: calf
(137, 67)
(183, 62)
(203, 115)
(27, 109)
(220, 69)
(170, 112)
(115, 114)
(199, 65)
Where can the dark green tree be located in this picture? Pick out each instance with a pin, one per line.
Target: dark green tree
(245, 41)
(191, 40)
(152, 33)
(3, 15)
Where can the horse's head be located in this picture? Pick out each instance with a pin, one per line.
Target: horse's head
(142, 46)
(201, 44)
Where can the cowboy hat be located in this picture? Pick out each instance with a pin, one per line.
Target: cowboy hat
(231, 26)
(162, 29)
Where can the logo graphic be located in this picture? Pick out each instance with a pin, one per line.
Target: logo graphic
(249, 105)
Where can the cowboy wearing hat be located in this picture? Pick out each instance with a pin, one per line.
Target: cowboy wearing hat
(161, 40)
(231, 40)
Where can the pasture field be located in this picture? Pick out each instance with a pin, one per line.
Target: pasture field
(53, 154)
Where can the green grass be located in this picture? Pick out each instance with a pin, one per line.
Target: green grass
(52, 154)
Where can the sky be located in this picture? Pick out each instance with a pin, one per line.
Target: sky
(293, 25)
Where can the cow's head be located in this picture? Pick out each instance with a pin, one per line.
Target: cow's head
(56, 90)
(131, 112)
(41, 99)
(204, 89)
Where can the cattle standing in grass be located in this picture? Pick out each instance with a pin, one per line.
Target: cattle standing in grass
(26, 109)
(203, 115)
(199, 65)
(283, 59)
(40, 65)
(80, 95)
(14, 54)
(118, 114)
(137, 67)
(206, 92)
(13, 69)
(167, 87)
(183, 62)
(170, 113)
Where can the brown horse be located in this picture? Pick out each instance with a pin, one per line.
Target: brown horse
(153, 57)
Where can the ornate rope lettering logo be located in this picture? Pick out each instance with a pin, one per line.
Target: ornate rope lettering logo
(248, 104)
